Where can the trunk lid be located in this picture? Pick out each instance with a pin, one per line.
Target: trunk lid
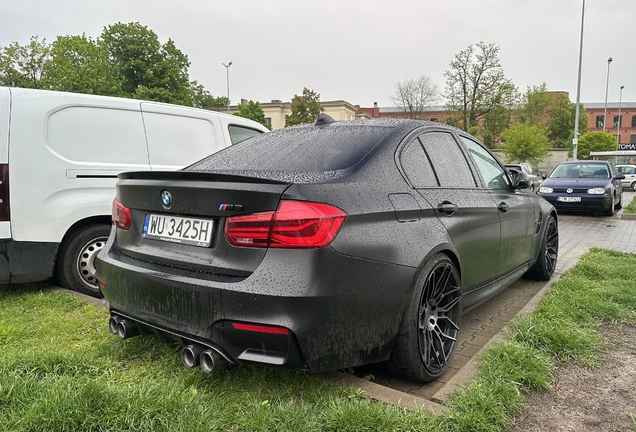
(169, 208)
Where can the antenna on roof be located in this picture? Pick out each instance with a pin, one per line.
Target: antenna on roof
(323, 119)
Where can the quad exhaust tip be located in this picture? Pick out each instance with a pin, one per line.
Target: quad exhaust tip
(192, 355)
(122, 327)
(212, 361)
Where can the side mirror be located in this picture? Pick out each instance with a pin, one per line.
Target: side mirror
(518, 181)
(543, 176)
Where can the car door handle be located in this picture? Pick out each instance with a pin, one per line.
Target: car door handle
(503, 207)
(447, 207)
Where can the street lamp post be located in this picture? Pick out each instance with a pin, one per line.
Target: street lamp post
(575, 140)
(618, 122)
(227, 71)
(609, 60)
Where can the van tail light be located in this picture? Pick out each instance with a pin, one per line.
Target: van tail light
(296, 224)
(5, 214)
(121, 215)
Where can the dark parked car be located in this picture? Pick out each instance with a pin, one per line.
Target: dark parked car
(323, 247)
(529, 173)
(590, 186)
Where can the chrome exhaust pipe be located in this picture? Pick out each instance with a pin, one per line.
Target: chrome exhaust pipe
(190, 355)
(126, 328)
(112, 324)
(212, 361)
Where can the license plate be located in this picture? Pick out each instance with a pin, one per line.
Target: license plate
(175, 229)
(569, 199)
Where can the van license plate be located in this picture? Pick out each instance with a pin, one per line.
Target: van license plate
(175, 229)
(569, 199)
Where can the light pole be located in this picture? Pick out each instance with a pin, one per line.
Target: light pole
(575, 140)
(618, 122)
(227, 71)
(609, 60)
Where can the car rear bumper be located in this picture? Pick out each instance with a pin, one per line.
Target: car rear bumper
(340, 311)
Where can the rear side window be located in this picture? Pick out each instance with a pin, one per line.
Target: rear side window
(449, 163)
(299, 149)
(240, 133)
(416, 166)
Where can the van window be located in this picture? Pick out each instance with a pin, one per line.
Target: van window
(240, 133)
(169, 136)
(98, 135)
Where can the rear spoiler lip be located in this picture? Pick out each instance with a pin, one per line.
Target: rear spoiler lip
(196, 176)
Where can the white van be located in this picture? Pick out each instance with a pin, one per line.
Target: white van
(60, 154)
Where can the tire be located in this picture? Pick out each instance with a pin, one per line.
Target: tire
(634, 186)
(544, 266)
(427, 338)
(619, 205)
(75, 267)
(610, 210)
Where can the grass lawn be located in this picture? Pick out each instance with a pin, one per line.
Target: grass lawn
(631, 208)
(62, 370)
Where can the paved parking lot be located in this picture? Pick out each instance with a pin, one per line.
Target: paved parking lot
(483, 326)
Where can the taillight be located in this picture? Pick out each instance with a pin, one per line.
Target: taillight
(5, 214)
(121, 215)
(296, 224)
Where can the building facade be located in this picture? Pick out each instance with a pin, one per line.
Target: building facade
(623, 127)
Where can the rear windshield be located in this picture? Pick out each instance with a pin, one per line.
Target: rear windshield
(299, 149)
(581, 170)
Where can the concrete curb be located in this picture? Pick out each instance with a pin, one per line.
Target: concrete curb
(384, 394)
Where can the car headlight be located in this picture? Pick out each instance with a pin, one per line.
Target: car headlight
(596, 191)
(545, 189)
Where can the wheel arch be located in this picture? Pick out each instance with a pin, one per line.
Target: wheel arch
(81, 224)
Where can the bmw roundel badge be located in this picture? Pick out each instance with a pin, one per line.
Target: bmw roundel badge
(166, 199)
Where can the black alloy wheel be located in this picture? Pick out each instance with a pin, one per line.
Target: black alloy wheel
(439, 318)
(545, 265)
(429, 332)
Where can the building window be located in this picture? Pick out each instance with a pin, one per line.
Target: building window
(634, 121)
(632, 139)
(599, 122)
(268, 121)
(618, 121)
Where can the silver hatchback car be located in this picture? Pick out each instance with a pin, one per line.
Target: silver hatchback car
(629, 171)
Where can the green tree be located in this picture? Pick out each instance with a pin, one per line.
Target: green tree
(146, 68)
(80, 64)
(23, 65)
(561, 122)
(201, 98)
(475, 83)
(595, 141)
(305, 108)
(252, 110)
(415, 96)
(536, 105)
(526, 143)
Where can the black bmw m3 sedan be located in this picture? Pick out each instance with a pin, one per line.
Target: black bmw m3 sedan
(322, 247)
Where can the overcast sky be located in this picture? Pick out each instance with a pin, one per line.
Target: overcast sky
(358, 50)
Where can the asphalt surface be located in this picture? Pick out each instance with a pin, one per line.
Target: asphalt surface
(486, 324)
